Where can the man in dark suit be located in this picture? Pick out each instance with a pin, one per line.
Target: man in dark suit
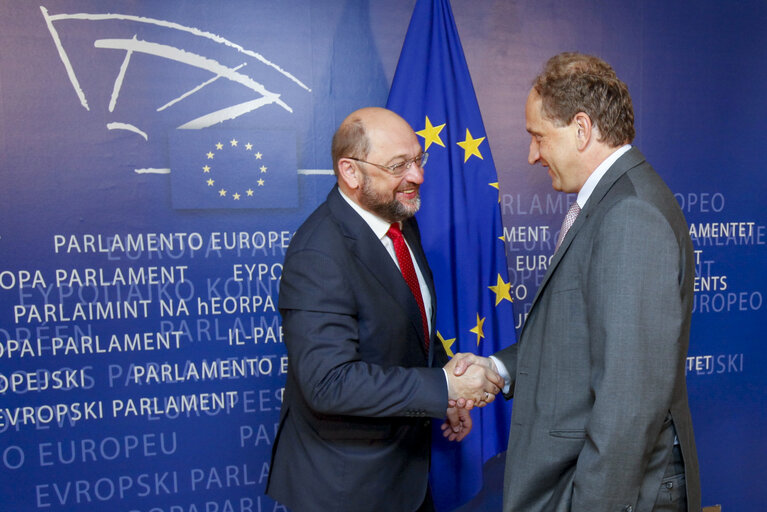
(365, 371)
(601, 420)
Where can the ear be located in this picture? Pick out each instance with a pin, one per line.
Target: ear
(584, 130)
(348, 173)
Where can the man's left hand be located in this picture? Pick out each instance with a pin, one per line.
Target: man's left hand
(457, 425)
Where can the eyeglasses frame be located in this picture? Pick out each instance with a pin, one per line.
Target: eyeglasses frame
(423, 157)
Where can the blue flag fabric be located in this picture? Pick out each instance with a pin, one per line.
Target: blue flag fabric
(461, 228)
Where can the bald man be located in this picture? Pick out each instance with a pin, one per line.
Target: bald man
(365, 370)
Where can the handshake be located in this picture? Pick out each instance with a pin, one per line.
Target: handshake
(472, 381)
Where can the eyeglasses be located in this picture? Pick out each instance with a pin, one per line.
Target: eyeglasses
(399, 168)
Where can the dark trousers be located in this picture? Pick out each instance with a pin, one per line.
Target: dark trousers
(428, 502)
(672, 495)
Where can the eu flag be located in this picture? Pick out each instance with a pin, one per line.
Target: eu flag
(233, 169)
(461, 229)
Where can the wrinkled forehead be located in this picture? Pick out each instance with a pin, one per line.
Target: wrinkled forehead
(391, 138)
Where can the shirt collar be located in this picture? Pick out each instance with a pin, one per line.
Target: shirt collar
(593, 180)
(379, 226)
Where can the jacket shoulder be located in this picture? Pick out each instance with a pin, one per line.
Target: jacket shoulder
(319, 230)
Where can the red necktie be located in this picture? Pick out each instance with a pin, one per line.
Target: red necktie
(408, 272)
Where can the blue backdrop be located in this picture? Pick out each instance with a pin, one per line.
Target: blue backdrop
(157, 157)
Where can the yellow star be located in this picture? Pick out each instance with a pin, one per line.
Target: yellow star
(209, 155)
(471, 146)
(263, 168)
(258, 156)
(431, 134)
(447, 344)
(249, 192)
(210, 183)
(497, 186)
(502, 238)
(222, 192)
(233, 142)
(236, 196)
(219, 145)
(260, 183)
(501, 290)
(206, 168)
(478, 329)
(248, 146)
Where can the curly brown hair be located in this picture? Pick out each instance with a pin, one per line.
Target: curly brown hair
(574, 82)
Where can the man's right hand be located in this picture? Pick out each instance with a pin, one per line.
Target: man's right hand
(472, 380)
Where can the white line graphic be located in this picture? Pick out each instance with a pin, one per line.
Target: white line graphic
(309, 172)
(65, 59)
(305, 172)
(151, 171)
(162, 23)
(198, 61)
(119, 79)
(128, 127)
(194, 90)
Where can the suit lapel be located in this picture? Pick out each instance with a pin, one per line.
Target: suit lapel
(629, 160)
(412, 234)
(371, 253)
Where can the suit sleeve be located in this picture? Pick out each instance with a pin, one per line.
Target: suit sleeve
(635, 318)
(321, 331)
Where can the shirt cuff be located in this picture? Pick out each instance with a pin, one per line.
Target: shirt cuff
(447, 382)
(503, 372)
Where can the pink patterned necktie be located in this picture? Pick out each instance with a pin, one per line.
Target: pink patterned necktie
(572, 213)
(408, 272)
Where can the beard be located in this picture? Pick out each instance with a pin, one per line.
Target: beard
(387, 208)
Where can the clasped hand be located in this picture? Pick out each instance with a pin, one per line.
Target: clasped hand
(472, 380)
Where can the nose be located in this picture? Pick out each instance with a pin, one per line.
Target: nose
(414, 174)
(534, 155)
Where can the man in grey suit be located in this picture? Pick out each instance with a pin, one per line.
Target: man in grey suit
(365, 369)
(600, 419)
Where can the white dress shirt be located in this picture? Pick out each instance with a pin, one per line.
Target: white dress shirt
(380, 227)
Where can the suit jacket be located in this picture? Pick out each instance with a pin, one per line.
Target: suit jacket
(599, 370)
(354, 429)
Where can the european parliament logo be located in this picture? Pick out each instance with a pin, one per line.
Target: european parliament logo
(233, 169)
(156, 75)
